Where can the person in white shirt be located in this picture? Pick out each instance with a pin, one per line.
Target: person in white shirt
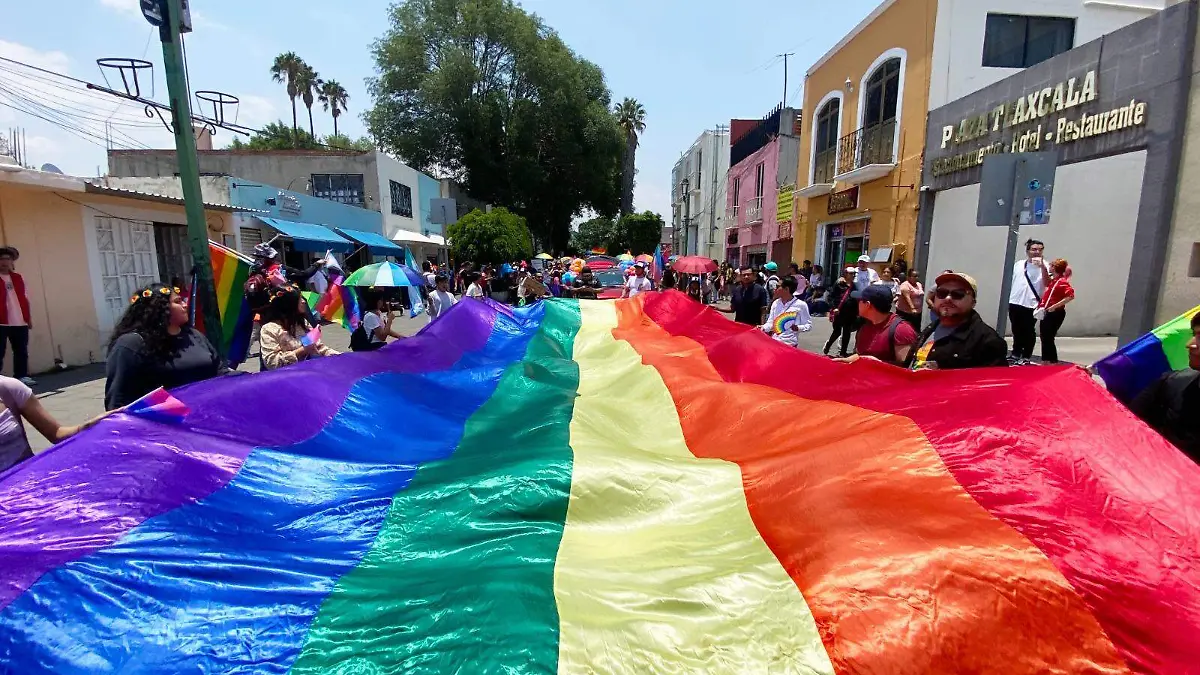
(474, 289)
(377, 323)
(441, 299)
(787, 300)
(865, 276)
(1029, 279)
(638, 283)
(887, 280)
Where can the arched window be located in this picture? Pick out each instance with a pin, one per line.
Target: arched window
(825, 141)
(881, 96)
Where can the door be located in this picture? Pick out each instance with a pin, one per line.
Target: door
(174, 254)
(127, 263)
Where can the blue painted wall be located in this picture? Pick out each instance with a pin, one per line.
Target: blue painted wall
(254, 195)
(428, 189)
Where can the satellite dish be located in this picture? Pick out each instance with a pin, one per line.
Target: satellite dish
(50, 168)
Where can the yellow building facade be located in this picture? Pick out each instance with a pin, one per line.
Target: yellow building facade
(862, 145)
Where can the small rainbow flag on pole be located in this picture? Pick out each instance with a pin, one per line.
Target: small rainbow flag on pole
(1130, 369)
(230, 271)
(160, 406)
(339, 304)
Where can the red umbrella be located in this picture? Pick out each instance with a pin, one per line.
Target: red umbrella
(693, 264)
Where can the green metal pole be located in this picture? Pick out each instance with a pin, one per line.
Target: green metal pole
(189, 171)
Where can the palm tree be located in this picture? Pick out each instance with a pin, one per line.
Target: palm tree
(308, 84)
(632, 118)
(333, 96)
(287, 69)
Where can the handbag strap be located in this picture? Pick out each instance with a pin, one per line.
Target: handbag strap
(1030, 283)
(1042, 302)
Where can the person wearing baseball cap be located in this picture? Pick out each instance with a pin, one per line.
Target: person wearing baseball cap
(884, 336)
(959, 338)
(864, 276)
(638, 283)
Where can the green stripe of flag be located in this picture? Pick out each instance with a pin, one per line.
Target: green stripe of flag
(462, 574)
(1174, 336)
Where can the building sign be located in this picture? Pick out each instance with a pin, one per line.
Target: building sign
(785, 231)
(846, 200)
(288, 204)
(1037, 121)
(785, 206)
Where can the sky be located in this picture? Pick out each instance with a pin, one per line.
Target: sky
(693, 64)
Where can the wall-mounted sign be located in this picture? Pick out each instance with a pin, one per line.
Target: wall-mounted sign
(846, 200)
(1039, 107)
(785, 231)
(785, 204)
(288, 204)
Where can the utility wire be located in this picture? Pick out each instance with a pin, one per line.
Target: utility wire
(62, 119)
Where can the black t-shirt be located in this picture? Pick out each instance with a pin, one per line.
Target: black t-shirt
(133, 372)
(1172, 406)
(748, 302)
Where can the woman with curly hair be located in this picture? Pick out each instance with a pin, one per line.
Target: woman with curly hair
(154, 346)
(284, 325)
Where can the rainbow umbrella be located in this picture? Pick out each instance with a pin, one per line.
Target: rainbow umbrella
(646, 258)
(385, 275)
(544, 256)
(625, 257)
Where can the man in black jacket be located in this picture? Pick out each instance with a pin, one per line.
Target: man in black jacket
(1172, 404)
(748, 301)
(960, 338)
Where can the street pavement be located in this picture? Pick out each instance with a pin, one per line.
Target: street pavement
(75, 395)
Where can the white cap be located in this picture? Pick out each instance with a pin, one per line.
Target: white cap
(864, 258)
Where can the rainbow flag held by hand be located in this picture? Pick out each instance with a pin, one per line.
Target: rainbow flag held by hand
(311, 338)
(230, 271)
(339, 304)
(638, 486)
(1130, 369)
(160, 406)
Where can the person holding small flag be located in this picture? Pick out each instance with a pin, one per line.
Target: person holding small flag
(286, 337)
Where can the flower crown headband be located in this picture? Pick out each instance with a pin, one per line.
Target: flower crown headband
(149, 294)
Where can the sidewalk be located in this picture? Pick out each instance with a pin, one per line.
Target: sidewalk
(77, 395)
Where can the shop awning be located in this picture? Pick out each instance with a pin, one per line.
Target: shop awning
(309, 237)
(437, 239)
(375, 243)
(410, 237)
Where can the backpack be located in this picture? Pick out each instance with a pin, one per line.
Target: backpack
(359, 340)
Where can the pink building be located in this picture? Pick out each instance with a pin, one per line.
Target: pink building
(762, 160)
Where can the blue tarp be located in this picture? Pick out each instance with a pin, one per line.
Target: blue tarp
(377, 244)
(310, 237)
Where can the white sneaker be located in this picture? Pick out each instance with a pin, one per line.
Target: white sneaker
(28, 381)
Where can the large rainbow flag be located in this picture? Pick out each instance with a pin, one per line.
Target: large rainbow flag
(1130, 369)
(637, 486)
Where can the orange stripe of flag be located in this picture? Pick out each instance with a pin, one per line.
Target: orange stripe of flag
(903, 570)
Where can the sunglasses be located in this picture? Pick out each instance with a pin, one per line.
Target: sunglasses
(956, 294)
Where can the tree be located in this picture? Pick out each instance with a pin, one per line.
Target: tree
(494, 237)
(287, 69)
(341, 142)
(277, 136)
(599, 232)
(632, 118)
(333, 97)
(642, 231)
(485, 93)
(308, 84)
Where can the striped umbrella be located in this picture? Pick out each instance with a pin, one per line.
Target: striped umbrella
(646, 258)
(385, 275)
(625, 257)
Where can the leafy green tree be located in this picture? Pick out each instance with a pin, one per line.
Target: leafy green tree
(631, 116)
(333, 97)
(287, 69)
(341, 142)
(308, 84)
(494, 237)
(485, 93)
(599, 232)
(642, 231)
(277, 136)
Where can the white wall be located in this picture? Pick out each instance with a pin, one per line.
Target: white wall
(707, 208)
(957, 67)
(391, 169)
(1093, 219)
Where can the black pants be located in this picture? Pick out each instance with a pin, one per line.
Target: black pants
(19, 337)
(1024, 331)
(1050, 326)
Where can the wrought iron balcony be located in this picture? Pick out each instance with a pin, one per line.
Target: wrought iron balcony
(754, 211)
(731, 216)
(872, 145)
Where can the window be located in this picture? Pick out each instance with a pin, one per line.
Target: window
(1014, 41)
(737, 191)
(346, 188)
(759, 173)
(401, 199)
(825, 141)
(880, 100)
